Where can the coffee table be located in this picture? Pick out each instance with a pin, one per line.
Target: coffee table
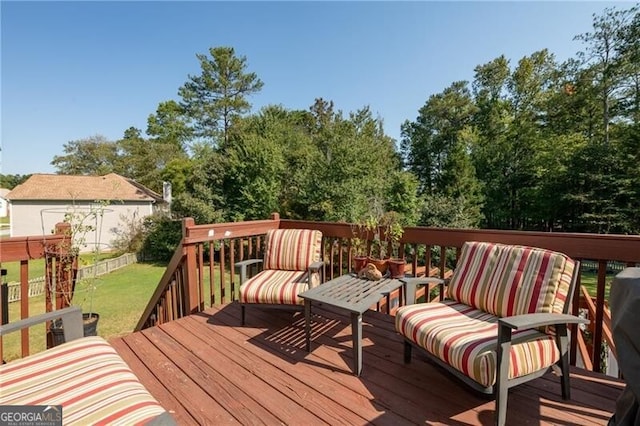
(354, 295)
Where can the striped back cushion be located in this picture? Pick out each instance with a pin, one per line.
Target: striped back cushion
(472, 277)
(518, 279)
(292, 249)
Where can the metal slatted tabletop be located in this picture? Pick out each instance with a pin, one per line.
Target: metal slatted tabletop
(353, 294)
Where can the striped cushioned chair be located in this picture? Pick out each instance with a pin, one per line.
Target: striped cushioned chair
(290, 266)
(501, 299)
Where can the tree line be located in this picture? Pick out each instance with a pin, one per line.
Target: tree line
(537, 145)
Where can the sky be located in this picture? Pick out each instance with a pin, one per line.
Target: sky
(73, 70)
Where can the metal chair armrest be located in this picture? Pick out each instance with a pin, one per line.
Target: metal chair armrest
(71, 322)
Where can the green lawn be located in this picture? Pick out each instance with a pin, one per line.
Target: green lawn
(36, 266)
(119, 298)
(590, 281)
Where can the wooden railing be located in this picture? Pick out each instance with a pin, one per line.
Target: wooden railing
(201, 271)
(23, 250)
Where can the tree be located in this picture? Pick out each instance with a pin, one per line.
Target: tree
(354, 163)
(604, 53)
(169, 125)
(145, 159)
(629, 51)
(11, 181)
(437, 150)
(214, 98)
(256, 164)
(91, 156)
(203, 198)
(429, 141)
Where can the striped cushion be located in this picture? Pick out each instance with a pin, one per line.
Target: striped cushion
(87, 377)
(507, 280)
(466, 339)
(276, 287)
(292, 249)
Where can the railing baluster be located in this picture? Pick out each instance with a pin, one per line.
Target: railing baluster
(223, 284)
(212, 273)
(597, 335)
(201, 275)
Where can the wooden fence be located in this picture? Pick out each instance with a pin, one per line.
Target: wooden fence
(37, 285)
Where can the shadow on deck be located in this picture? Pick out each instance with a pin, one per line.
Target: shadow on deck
(207, 369)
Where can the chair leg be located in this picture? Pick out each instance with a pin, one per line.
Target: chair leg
(242, 314)
(407, 352)
(562, 340)
(502, 379)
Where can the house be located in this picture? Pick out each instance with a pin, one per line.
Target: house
(4, 205)
(101, 204)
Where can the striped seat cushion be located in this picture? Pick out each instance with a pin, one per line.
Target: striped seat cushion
(507, 280)
(291, 249)
(87, 377)
(466, 339)
(276, 287)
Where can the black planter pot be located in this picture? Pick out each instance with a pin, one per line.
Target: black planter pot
(89, 322)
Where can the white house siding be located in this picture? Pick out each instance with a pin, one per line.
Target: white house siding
(4, 211)
(39, 218)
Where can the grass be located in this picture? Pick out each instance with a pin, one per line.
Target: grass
(4, 220)
(36, 266)
(590, 281)
(119, 298)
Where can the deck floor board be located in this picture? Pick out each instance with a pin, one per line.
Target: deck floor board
(207, 369)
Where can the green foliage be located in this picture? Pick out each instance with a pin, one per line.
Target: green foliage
(169, 125)
(116, 318)
(258, 161)
(162, 236)
(11, 181)
(354, 162)
(541, 145)
(145, 159)
(446, 211)
(91, 156)
(130, 235)
(219, 94)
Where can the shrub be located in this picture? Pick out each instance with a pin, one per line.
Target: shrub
(162, 236)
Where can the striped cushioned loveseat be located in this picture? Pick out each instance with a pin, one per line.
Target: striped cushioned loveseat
(290, 266)
(493, 283)
(86, 376)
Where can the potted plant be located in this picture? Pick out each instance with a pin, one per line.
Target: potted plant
(359, 246)
(393, 231)
(69, 284)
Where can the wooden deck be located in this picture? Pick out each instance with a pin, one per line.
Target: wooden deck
(206, 369)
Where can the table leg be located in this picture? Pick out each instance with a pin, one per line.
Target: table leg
(356, 335)
(307, 323)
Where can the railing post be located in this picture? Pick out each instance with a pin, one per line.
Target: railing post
(190, 275)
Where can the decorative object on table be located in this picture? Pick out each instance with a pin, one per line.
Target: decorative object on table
(370, 272)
